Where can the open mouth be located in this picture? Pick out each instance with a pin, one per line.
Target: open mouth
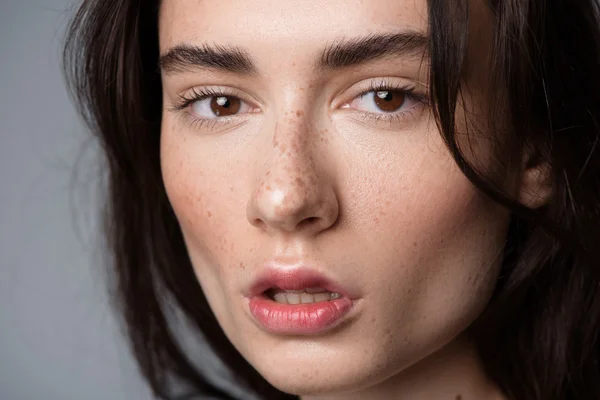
(297, 301)
(306, 296)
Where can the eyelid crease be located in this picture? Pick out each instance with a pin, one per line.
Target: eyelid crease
(381, 84)
(197, 94)
(385, 84)
(350, 92)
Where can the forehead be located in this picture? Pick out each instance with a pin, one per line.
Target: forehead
(273, 24)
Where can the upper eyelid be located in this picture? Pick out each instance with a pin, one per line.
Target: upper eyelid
(362, 88)
(365, 86)
(205, 92)
(192, 95)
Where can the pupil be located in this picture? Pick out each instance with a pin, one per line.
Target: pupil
(389, 101)
(223, 102)
(387, 96)
(225, 106)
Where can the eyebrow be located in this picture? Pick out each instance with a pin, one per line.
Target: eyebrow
(186, 57)
(350, 52)
(340, 54)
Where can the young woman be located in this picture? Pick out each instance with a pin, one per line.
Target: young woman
(383, 199)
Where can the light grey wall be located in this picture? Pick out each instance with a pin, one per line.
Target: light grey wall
(58, 338)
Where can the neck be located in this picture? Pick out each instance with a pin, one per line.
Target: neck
(454, 372)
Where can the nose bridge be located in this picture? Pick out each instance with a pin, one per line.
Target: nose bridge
(291, 183)
(293, 146)
(292, 192)
(293, 155)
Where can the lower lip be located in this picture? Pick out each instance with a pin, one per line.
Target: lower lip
(298, 319)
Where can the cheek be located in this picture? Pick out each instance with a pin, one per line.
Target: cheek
(433, 244)
(204, 192)
(191, 187)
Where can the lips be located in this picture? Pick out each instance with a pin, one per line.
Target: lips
(309, 318)
(293, 278)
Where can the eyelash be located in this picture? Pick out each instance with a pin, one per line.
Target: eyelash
(185, 101)
(409, 91)
(198, 95)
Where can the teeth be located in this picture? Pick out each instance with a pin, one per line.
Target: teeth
(308, 290)
(322, 297)
(304, 297)
(314, 290)
(307, 298)
(293, 298)
(280, 298)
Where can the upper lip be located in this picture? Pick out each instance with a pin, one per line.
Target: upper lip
(297, 276)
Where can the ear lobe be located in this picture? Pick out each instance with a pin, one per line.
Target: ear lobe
(535, 188)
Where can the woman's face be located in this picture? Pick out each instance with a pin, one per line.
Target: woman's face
(314, 162)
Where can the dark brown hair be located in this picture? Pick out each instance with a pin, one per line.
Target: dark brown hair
(538, 337)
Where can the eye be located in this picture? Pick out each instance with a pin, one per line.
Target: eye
(218, 106)
(384, 101)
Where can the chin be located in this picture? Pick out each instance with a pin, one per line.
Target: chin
(309, 381)
(351, 359)
(311, 368)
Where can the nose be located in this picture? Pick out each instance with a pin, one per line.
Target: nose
(293, 193)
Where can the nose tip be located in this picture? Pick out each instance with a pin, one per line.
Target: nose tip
(294, 191)
(309, 206)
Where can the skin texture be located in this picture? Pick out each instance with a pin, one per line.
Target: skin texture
(303, 174)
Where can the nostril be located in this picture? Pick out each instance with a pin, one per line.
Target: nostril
(306, 222)
(259, 223)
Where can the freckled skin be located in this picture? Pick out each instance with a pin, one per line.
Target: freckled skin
(382, 209)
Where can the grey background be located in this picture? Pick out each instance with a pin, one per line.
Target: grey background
(58, 337)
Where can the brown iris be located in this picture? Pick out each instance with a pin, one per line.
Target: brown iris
(389, 100)
(224, 106)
